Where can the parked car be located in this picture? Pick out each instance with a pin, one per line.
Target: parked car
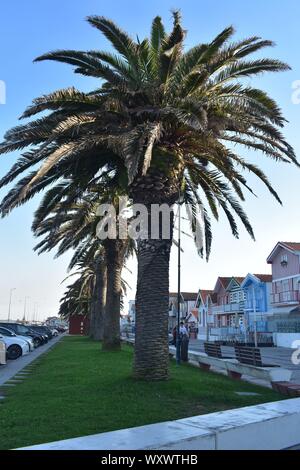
(54, 332)
(2, 351)
(7, 332)
(43, 330)
(61, 329)
(23, 330)
(15, 347)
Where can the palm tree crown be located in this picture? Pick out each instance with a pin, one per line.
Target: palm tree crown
(158, 106)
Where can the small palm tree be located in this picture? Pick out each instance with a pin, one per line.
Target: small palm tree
(170, 116)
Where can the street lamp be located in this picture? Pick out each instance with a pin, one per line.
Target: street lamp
(9, 305)
(178, 342)
(254, 319)
(25, 301)
(35, 311)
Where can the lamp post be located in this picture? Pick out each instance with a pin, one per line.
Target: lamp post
(9, 305)
(25, 302)
(206, 319)
(254, 317)
(178, 285)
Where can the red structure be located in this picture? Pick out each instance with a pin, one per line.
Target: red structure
(78, 325)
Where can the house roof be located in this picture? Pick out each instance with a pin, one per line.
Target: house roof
(195, 312)
(250, 278)
(291, 246)
(225, 281)
(189, 295)
(204, 294)
(185, 295)
(264, 277)
(239, 279)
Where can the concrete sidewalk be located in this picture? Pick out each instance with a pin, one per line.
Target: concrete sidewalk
(13, 367)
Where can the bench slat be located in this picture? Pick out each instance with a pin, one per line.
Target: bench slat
(250, 356)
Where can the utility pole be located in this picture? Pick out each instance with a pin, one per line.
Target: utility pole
(254, 317)
(179, 285)
(206, 319)
(9, 305)
(24, 315)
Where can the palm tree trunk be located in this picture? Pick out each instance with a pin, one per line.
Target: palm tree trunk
(151, 360)
(115, 251)
(99, 300)
(92, 317)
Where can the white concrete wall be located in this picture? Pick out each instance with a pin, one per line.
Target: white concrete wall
(285, 340)
(269, 426)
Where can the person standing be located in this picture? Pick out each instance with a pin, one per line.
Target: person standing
(184, 339)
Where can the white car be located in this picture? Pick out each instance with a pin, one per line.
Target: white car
(15, 347)
(2, 351)
(7, 332)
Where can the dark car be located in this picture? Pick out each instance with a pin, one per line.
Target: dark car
(43, 330)
(24, 330)
(61, 329)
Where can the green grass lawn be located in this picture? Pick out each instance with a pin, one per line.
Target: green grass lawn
(76, 389)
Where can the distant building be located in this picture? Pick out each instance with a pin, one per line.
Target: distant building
(230, 297)
(285, 261)
(78, 325)
(205, 315)
(131, 311)
(203, 302)
(187, 306)
(257, 305)
(54, 322)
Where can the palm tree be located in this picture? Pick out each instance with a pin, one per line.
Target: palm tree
(173, 117)
(77, 297)
(72, 224)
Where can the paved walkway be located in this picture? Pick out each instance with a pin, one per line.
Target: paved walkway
(277, 356)
(13, 367)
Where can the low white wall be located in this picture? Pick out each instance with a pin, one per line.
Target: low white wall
(285, 340)
(270, 426)
(202, 336)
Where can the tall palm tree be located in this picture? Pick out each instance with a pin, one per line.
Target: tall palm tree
(68, 224)
(163, 111)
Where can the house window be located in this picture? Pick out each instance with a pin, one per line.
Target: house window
(242, 296)
(284, 261)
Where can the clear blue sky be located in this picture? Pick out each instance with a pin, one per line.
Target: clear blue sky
(31, 28)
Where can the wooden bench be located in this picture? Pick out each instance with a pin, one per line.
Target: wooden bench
(236, 370)
(250, 356)
(250, 363)
(213, 349)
